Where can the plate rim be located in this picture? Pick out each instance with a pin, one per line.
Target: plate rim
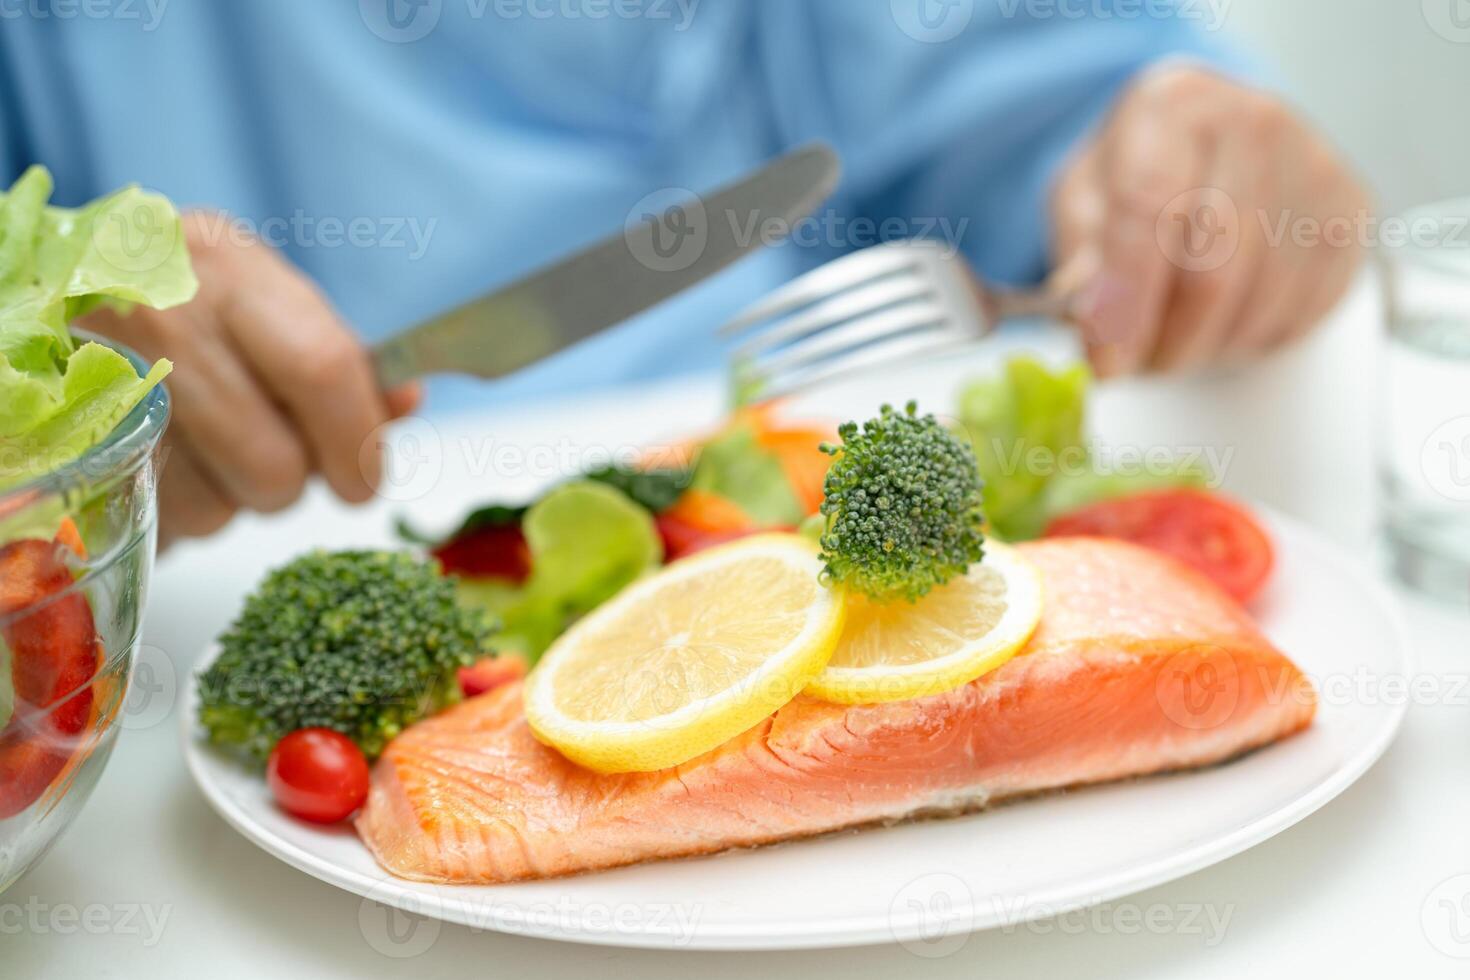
(869, 928)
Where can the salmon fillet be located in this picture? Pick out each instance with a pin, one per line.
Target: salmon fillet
(1139, 666)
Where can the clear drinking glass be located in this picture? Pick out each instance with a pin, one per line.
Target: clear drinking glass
(1424, 459)
(76, 550)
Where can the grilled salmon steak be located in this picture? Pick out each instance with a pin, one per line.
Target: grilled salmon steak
(1139, 666)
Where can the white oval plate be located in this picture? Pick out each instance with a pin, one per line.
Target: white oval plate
(926, 884)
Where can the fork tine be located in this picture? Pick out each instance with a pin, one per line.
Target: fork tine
(854, 334)
(823, 281)
(908, 347)
(830, 313)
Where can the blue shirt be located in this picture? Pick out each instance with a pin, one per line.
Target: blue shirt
(411, 154)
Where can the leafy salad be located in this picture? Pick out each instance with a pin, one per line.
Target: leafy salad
(1028, 428)
(537, 568)
(540, 567)
(59, 398)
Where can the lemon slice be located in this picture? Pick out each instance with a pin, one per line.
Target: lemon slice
(951, 636)
(688, 658)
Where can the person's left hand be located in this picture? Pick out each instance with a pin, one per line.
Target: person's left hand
(1221, 225)
(270, 386)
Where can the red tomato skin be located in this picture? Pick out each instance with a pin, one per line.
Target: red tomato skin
(317, 775)
(682, 539)
(491, 552)
(1211, 534)
(54, 654)
(678, 535)
(489, 673)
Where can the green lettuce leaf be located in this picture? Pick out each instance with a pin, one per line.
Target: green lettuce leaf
(587, 540)
(1028, 430)
(655, 490)
(58, 400)
(1019, 424)
(734, 466)
(99, 388)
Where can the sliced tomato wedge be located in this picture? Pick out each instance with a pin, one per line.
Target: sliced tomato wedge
(54, 652)
(1206, 531)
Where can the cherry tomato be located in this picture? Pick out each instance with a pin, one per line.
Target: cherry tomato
(1207, 532)
(318, 775)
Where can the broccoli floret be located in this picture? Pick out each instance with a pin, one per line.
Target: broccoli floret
(361, 642)
(902, 505)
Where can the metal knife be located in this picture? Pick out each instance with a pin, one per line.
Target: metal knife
(628, 272)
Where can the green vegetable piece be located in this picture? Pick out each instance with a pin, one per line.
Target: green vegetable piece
(362, 642)
(590, 540)
(655, 490)
(587, 541)
(100, 387)
(1020, 425)
(491, 515)
(1027, 429)
(903, 507)
(57, 401)
(745, 386)
(734, 466)
(813, 528)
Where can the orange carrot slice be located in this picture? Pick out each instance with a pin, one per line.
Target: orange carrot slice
(709, 512)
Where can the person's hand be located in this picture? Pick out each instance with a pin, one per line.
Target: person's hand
(268, 388)
(1218, 225)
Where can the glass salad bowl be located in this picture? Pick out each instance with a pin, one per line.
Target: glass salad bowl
(76, 551)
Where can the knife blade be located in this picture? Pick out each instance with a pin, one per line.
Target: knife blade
(654, 258)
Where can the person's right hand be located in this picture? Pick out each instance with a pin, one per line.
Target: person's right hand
(1223, 226)
(269, 387)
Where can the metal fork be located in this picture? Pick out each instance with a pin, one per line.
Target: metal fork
(877, 308)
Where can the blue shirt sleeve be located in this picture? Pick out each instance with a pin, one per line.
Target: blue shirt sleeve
(953, 116)
(11, 140)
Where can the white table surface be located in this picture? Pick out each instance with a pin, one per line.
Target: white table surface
(150, 883)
